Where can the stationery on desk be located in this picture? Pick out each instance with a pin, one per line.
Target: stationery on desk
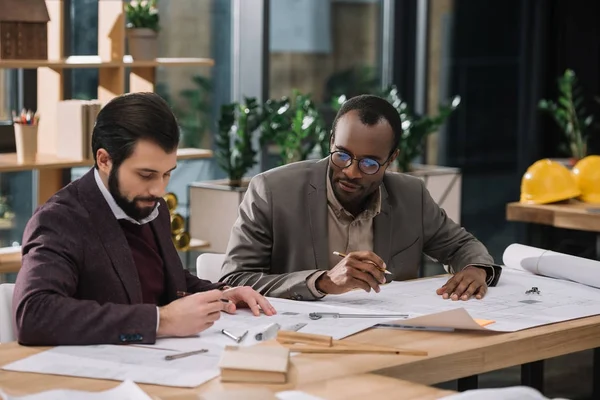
(385, 271)
(309, 343)
(27, 117)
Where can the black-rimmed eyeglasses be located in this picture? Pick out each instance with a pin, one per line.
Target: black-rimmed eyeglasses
(366, 165)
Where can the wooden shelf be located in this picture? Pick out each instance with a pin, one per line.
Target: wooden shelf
(8, 161)
(10, 257)
(198, 244)
(96, 62)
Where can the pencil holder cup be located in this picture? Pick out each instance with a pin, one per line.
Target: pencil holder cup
(26, 138)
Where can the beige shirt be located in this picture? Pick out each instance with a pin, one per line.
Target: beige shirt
(346, 233)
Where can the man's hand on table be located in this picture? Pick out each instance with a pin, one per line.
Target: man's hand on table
(468, 283)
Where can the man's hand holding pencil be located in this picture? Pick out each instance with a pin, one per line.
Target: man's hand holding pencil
(357, 270)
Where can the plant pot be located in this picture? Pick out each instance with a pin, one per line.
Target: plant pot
(213, 210)
(26, 138)
(143, 43)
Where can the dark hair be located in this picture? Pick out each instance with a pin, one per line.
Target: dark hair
(371, 110)
(130, 117)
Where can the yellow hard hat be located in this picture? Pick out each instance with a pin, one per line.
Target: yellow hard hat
(587, 176)
(547, 181)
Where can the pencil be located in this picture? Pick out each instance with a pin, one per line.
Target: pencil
(385, 271)
(184, 294)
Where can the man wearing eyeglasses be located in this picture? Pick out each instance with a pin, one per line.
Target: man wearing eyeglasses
(316, 228)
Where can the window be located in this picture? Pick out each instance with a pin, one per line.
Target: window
(324, 48)
(188, 28)
(16, 189)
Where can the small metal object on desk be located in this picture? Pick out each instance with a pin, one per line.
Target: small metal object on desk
(270, 332)
(232, 336)
(533, 290)
(181, 355)
(319, 315)
(295, 327)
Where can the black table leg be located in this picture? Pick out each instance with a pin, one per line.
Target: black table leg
(468, 383)
(596, 374)
(532, 375)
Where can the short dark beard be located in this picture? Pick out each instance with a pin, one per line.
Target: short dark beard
(128, 206)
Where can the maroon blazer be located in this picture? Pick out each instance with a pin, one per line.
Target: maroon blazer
(78, 283)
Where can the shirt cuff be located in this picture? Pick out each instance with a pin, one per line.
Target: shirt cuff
(312, 286)
(489, 270)
(157, 319)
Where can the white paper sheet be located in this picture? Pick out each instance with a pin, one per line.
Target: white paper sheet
(125, 391)
(295, 395)
(509, 393)
(552, 264)
(507, 304)
(146, 363)
(289, 313)
(141, 365)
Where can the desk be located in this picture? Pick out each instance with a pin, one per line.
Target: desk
(452, 355)
(344, 387)
(571, 214)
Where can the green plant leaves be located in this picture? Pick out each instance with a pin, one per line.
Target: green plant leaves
(235, 153)
(142, 14)
(570, 114)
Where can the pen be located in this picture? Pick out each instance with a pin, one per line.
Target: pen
(415, 328)
(319, 315)
(385, 271)
(181, 355)
(181, 294)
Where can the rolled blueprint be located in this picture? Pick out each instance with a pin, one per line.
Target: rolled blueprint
(552, 264)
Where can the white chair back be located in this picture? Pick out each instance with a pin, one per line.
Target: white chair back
(208, 266)
(6, 325)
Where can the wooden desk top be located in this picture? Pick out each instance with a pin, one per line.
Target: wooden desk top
(349, 387)
(452, 355)
(571, 214)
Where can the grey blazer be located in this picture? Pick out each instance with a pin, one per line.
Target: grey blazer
(280, 236)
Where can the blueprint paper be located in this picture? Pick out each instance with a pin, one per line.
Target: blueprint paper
(146, 363)
(507, 304)
(552, 264)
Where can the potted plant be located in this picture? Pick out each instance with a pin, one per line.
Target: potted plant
(192, 108)
(294, 125)
(214, 204)
(571, 116)
(142, 29)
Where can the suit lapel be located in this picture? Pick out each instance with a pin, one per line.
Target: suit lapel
(173, 268)
(317, 210)
(111, 236)
(382, 228)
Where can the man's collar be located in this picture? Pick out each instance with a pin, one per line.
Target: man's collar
(373, 206)
(118, 211)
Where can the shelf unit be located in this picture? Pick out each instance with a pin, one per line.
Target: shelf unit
(114, 68)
